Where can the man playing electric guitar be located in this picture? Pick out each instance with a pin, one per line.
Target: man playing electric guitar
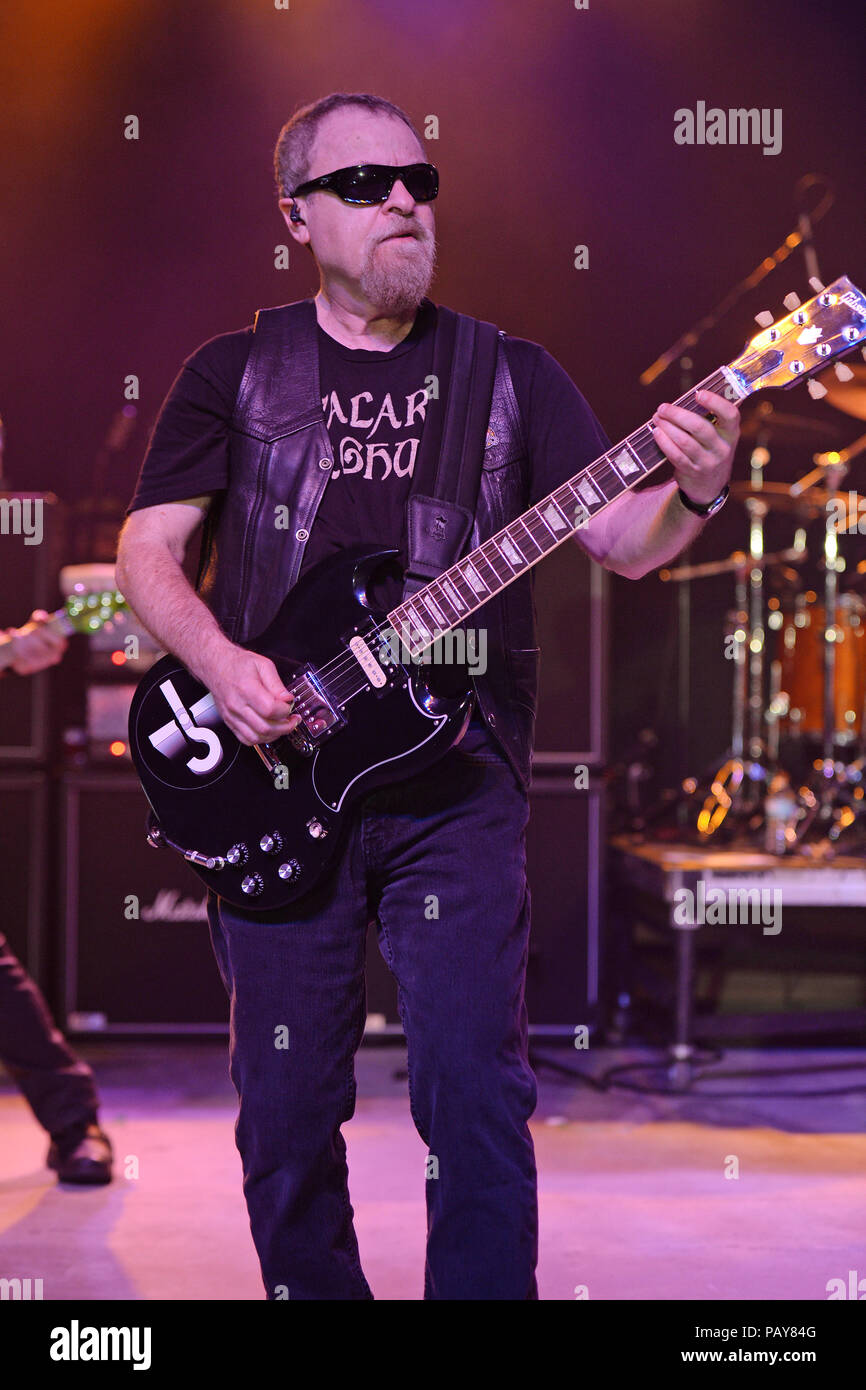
(438, 859)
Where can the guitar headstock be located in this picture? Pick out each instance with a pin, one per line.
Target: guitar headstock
(88, 612)
(805, 341)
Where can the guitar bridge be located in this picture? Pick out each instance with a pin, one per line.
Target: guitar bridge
(318, 715)
(270, 755)
(318, 718)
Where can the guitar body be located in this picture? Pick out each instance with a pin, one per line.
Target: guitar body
(272, 820)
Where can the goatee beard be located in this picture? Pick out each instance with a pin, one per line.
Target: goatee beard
(395, 282)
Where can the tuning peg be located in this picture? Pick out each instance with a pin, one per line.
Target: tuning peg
(816, 390)
(764, 318)
(843, 373)
(791, 301)
(817, 285)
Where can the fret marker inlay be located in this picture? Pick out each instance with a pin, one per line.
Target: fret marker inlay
(511, 553)
(474, 578)
(553, 518)
(452, 595)
(432, 606)
(587, 492)
(625, 463)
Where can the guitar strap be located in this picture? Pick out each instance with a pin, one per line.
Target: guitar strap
(440, 509)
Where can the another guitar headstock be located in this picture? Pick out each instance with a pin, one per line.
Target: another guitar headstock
(804, 342)
(88, 612)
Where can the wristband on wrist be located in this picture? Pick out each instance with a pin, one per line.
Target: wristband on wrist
(705, 509)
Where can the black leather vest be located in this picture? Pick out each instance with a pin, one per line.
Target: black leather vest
(280, 455)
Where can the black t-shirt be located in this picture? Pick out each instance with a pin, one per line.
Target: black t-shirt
(374, 406)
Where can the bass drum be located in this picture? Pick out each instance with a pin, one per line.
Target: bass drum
(800, 654)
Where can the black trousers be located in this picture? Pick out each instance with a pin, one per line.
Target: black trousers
(58, 1086)
(440, 861)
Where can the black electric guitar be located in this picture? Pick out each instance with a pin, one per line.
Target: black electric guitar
(262, 825)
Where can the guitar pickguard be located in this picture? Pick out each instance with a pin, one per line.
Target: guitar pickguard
(395, 728)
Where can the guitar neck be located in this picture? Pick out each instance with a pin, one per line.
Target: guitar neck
(479, 576)
(58, 622)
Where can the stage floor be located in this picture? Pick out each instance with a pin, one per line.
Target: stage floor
(634, 1198)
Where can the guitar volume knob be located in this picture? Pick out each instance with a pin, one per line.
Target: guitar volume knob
(238, 854)
(252, 885)
(271, 844)
(290, 870)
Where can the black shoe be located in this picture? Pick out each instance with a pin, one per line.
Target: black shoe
(83, 1157)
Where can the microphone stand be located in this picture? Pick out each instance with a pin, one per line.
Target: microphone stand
(801, 236)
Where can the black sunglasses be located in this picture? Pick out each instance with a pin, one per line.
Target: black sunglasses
(372, 183)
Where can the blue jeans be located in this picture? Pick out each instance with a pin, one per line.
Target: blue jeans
(438, 861)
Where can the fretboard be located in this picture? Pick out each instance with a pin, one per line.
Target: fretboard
(451, 598)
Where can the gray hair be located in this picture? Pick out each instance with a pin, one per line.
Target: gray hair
(295, 140)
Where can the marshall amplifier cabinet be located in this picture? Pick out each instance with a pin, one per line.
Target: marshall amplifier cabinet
(24, 897)
(137, 952)
(564, 859)
(138, 957)
(571, 601)
(564, 855)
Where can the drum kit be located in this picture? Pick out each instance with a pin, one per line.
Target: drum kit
(793, 778)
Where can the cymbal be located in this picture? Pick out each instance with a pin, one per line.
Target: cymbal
(778, 498)
(739, 560)
(811, 503)
(765, 425)
(849, 396)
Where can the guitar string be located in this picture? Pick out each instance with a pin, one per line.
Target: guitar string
(341, 664)
(346, 663)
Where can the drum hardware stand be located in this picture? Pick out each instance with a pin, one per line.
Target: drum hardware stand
(830, 811)
(832, 565)
(684, 620)
(739, 787)
(733, 787)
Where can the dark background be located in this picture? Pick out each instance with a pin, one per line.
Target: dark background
(555, 129)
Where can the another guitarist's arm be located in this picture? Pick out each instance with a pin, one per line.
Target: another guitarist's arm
(35, 645)
(247, 689)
